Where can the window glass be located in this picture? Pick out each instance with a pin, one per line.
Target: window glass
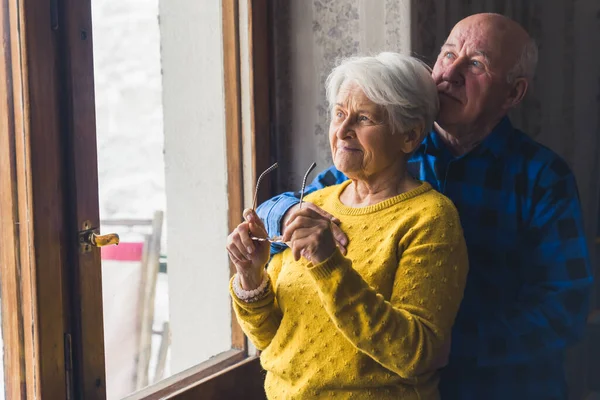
(161, 156)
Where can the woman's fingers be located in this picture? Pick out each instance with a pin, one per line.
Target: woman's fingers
(244, 236)
(251, 216)
(315, 243)
(238, 243)
(341, 240)
(246, 253)
(320, 211)
(237, 258)
(314, 212)
(235, 246)
(304, 219)
(258, 230)
(253, 227)
(310, 212)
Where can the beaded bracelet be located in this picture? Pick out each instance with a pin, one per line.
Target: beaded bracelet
(250, 295)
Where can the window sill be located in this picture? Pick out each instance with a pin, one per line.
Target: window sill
(190, 377)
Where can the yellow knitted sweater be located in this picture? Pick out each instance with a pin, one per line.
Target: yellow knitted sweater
(367, 325)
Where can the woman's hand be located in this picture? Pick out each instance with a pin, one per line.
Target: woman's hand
(309, 235)
(340, 237)
(249, 256)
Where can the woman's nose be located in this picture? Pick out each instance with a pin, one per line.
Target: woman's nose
(346, 129)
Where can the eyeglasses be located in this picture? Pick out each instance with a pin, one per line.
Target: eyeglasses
(278, 239)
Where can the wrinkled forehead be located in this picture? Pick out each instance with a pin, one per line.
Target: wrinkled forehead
(496, 41)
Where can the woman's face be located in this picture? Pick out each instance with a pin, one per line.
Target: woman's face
(362, 143)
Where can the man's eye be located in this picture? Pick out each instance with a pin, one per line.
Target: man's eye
(448, 54)
(476, 64)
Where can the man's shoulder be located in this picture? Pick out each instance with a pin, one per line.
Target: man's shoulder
(538, 158)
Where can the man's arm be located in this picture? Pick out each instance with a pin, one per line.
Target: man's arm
(273, 210)
(554, 302)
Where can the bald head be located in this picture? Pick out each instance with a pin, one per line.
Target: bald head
(483, 70)
(498, 24)
(506, 40)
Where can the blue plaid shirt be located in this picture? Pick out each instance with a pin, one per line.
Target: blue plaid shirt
(529, 280)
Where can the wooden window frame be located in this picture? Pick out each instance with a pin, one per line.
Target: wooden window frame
(54, 345)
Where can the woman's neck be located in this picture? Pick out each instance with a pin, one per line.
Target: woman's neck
(366, 191)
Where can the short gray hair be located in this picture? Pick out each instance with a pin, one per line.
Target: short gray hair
(401, 84)
(526, 63)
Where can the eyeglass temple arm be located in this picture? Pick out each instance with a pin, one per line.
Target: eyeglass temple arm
(266, 171)
(312, 166)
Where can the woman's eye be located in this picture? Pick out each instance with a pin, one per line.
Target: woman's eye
(449, 55)
(339, 114)
(363, 118)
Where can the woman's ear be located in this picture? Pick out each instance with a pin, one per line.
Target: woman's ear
(412, 139)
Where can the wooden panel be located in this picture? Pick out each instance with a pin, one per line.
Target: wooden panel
(10, 283)
(47, 202)
(259, 114)
(82, 182)
(233, 135)
(33, 212)
(260, 93)
(241, 381)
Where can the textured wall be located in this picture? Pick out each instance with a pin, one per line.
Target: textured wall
(309, 36)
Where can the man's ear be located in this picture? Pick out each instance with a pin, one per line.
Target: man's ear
(517, 93)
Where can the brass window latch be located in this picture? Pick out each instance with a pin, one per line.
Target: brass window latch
(88, 238)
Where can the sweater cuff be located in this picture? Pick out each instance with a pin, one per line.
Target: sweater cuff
(324, 269)
(264, 300)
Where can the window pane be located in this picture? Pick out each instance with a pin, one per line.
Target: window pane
(162, 187)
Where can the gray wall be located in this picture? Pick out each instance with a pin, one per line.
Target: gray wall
(308, 37)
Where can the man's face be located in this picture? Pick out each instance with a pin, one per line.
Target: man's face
(470, 74)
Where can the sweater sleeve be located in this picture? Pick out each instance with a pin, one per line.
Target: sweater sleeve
(404, 333)
(261, 319)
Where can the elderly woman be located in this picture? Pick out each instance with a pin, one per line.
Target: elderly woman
(371, 323)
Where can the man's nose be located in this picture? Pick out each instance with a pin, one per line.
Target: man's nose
(454, 73)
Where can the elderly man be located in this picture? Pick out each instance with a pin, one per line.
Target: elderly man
(527, 292)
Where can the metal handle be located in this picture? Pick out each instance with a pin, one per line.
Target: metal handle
(103, 240)
(89, 238)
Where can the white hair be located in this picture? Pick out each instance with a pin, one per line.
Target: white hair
(401, 84)
(526, 63)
